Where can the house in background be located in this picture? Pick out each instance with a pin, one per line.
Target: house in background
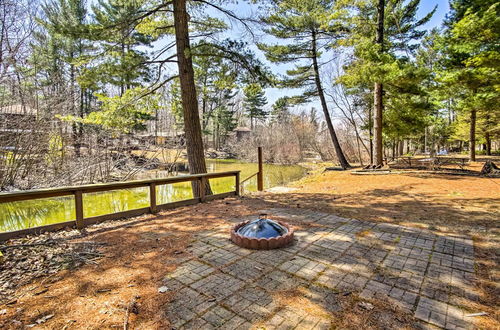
(16, 120)
(240, 133)
(17, 114)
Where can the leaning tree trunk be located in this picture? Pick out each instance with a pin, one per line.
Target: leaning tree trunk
(472, 136)
(338, 149)
(192, 126)
(378, 91)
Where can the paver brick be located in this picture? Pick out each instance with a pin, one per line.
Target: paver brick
(218, 316)
(219, 257)
(221, 285)
(294, 264)
(246, 269)
(278, 280)
(252, 303)
(197, 323)
(218, 286)
(320, 253)
(310, 270)
(331, 277)
(191, 271)
(374, 289)
(271, 257)
(324, 297)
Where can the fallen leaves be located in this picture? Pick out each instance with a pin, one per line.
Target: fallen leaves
(38, 256)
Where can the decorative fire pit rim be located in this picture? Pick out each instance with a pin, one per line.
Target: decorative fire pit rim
(261, 243)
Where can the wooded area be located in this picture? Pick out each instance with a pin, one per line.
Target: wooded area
(376, 128)
(85, 84)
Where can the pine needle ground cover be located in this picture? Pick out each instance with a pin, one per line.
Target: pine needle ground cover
(179, 269)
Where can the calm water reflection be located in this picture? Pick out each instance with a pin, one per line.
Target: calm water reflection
(32, 213)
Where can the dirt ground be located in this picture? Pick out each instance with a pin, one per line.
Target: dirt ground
(120, 290)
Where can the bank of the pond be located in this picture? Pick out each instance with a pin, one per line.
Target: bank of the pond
(33, 213)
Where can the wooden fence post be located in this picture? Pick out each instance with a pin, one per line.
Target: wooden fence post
(202, 187)
(237, 183)
(152, 197)
(79, 209)
(260, 175)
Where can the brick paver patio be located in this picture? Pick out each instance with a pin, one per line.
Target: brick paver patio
(222, 285)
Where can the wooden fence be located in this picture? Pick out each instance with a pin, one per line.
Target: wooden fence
(259, 173)
(78, 192)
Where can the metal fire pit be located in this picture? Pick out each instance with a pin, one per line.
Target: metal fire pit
(262, 234)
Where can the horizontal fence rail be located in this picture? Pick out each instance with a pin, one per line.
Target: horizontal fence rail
(78, 191)
(242, 183)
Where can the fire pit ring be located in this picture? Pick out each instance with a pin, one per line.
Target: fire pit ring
(262, 234)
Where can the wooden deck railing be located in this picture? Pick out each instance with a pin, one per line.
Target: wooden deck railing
(259, 173)
(242, 183)
(78, 192)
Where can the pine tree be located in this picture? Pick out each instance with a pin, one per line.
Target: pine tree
(382, 52)
(192, 127)
(471, 64)
(158, 19)
(64, 26)
(279, 112)
(306, 31)
(254, 103)
(120, 62)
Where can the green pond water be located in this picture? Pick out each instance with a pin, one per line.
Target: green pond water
(33, 213)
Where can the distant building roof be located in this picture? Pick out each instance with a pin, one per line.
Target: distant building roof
(18, 109)
(158, 134)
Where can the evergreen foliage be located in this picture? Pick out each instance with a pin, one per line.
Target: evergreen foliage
(254, 102)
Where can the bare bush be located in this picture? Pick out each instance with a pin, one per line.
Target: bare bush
(289, 141)
(279, 147)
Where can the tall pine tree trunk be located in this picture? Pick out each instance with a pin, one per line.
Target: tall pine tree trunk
(370, 133)
(487, 135)
(472, 136)
(338, 150)
(488, 143)
(378, 91)
(192, 126)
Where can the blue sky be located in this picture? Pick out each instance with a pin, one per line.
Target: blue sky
(442, 10)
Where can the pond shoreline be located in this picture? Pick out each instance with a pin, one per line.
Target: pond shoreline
(39, 212)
